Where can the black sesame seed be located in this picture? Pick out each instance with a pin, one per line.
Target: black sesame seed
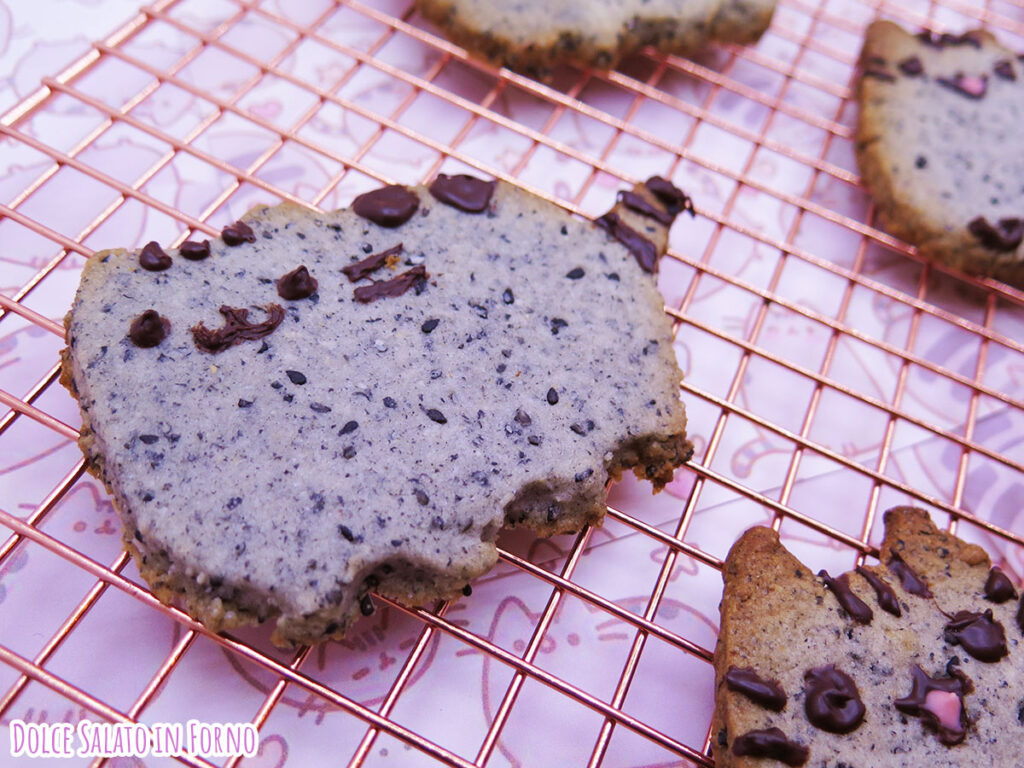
(506, 353)
(367, 247)
(522, 418)
(579, 429)
(366, 605)
(138, 535)
(276, 385)
(396, 542)
(421, 497)
(233, 502)
(349, 452)
(575, 274)
(552, 396)
(533, 440)
(501, 368)
(553, 513)
(244, 403)
(557, 324)
(613, 276)
(263, 348)
(467, 590)
(435, 415)
(320, 408)
(389, 402)
(350, 426)
(149, 439)
(480, 310)
(581, 476)
(346, 533)
(429, 325)
(147, 496)
(331, 628)
(438, 523)
(295, 377)
(921, 161)
(288, 398)
(507, 296)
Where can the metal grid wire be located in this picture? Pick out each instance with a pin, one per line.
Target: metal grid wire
(810, 61)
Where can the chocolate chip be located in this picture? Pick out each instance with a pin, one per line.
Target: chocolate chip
(435, 415)
(643, 249)
(1004, 69)
(912, 67)
(194, 251)
(552, 396)
(771, 743)
(668, 194)
(998, 587)
(153, 258)
(1004, 236)
(295, 377)
(466, 193)
(237, 233)
(149, 329)
(766, 693)
(389, 206)
(575, 273)
(467, 590)
(364, 268)
(350, 426)
(297, 284)
(429, 325)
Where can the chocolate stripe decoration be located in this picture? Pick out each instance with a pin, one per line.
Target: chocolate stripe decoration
(767, 693)
(886, 595)
(909, 580)
(396, 286)
(370, 264)
(772, 743)
(643, 250)
(853, 605)
(236, 328)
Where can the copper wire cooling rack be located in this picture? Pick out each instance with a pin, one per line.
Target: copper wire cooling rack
(830, 373)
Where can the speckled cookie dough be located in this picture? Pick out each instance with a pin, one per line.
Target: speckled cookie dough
(321, 405)
(534, 36)
(916, 661)
(940, 147)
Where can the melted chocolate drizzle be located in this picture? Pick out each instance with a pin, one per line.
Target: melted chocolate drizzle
(237, 233)
(414, 278)
(467, 193)
(236, 328)
(916, 703)
(886, 595)
(971, 86)
(1004, 69)
(998, 587)
(879, 74)
(643, 250)
(1005, 235)
(149, 329)
(771, 743)
(297, 284)
(979, 634)
(909, 580)
(369, 265)
(833, 702)
(911, 67)
(389, 206)
(643, 206)
(767, 693)
(853, 605)
(194, 251)
(153, 258)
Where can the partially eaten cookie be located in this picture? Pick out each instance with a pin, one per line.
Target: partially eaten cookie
(916, 661)
(320, 405)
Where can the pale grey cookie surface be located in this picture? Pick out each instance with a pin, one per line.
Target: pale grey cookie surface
(533, 36)
(780, 621)
(940, 147)
(371, 446)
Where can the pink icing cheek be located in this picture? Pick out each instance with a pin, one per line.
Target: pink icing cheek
(945, 705)
(975, 86)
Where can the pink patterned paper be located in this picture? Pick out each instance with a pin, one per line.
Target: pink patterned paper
(355, 94)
